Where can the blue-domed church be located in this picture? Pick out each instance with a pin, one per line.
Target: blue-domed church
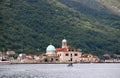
(50, 51)
(64, 54)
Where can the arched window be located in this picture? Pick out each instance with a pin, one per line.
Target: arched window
(76, 54)
(66, 54)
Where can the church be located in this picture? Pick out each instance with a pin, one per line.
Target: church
(64, 54)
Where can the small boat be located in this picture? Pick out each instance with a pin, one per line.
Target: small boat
(4, 62)
(70, 65)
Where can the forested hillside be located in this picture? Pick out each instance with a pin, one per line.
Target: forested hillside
(32, 24)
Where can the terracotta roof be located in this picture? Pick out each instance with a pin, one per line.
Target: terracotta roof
(70, 47)
(85, 55)
(95, 56)
(61, 49)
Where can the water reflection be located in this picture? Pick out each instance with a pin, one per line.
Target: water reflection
(60, 71)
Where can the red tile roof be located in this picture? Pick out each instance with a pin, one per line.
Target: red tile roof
(85, 55)
(95, 56)
(61, 49)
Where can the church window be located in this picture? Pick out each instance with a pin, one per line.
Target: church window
(51, 59)
(71, 55)
(67, 54)
(56, 59)
(76, 54)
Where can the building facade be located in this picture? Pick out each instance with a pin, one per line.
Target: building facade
(88, 58)
(64, 54)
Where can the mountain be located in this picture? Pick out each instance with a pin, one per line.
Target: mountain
(111, 6)
(30, 25)
(101, 10)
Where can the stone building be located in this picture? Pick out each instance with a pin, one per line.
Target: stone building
(67, 53)
(51, 55)
(89, 58)
(10, 52)
(64, 54)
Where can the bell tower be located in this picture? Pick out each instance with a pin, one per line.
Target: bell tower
(64, 43)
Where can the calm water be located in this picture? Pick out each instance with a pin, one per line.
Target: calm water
(60, 71)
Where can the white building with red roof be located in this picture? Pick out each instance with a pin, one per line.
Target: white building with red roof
(64, 54)
(89, 58)
(67, 53)
(10, 52)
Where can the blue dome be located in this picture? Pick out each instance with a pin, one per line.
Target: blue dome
(50, 48)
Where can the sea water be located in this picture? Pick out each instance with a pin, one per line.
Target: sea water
(60, 71)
